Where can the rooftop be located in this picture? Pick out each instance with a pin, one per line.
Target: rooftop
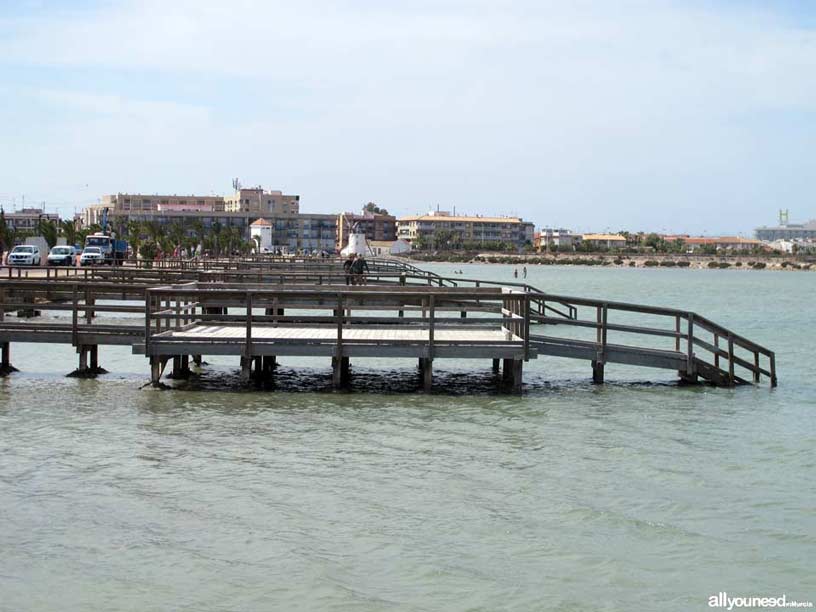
(460, 219)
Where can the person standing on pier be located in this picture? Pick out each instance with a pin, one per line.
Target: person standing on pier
(359, 269)
(347, 265)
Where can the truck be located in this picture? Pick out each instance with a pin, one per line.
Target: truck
(113, 251)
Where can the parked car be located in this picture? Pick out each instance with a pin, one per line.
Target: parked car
(62, 256)
(91, 256)
(25, 255)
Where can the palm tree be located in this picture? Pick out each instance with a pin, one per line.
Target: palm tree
(215, 232)
(176, 235)
(69, 230)
(48, 230)
(198, 230)
(134, 235)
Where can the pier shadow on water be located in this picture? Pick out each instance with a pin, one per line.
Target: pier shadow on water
(395, 381)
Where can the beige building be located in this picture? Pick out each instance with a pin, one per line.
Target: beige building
(608, 241)
(250, 200)
(140, 203)
(465, 229)
(256, 200)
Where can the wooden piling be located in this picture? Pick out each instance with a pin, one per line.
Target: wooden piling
(597, 372)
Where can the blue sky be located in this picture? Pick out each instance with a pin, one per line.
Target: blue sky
(687, 116)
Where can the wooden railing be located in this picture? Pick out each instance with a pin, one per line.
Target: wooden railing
(176, 307)
(687, 329)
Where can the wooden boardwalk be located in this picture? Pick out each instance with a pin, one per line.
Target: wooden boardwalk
(174, 316)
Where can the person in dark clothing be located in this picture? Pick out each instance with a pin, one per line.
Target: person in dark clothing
(358, 270)
(347, 265)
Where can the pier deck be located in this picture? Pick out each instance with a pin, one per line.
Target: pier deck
(258, 313)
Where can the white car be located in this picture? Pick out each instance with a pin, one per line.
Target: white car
(25, 255)
(62, 256)
(91, 256)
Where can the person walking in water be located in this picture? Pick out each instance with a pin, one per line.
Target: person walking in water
(524, 272)
(515, 273)
(347, 265)
(358, 271)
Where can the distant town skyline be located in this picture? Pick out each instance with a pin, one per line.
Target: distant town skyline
(690, 117)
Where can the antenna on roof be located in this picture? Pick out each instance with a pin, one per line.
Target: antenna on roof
(783, 216)
(236, 184)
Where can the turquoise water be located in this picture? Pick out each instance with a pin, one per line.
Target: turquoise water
(635, 495)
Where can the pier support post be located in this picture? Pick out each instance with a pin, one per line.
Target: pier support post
(246, 368)
(496, 366)
(341, 372)
(507, 372)
(597, 372)
(517, 369)
(5, 359)
(88, 353)
(426, 366)
(181, 367)
(157, 364)
(688, 379)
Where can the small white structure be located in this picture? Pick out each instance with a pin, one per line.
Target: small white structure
(357, 244)
(381, 248)
(261, 232)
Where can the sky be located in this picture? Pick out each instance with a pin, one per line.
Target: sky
(687, 116)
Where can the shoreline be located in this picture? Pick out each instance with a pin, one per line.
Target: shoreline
(682, 262)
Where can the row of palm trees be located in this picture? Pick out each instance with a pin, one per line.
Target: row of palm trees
(149, 238)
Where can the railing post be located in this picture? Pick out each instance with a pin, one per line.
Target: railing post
(148, 299)
(74, 315)
(756, 366)
(337, 361)
(730, 359)
(248, 348)
(431, 325)
(717, 351)
(677, 333)
(690, 346)
(772, 358)
(527, 327)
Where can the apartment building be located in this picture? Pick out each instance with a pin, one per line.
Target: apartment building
(550, 238)
(125, 203)
(375, 226)
(256, 200)
(27, 219)
(787, 231)
(606, 241)
(473, 229)
(291, 233)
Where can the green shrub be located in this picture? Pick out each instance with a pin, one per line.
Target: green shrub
(713, 264)
(650, 263)
(724, 264)
(668, 263)
(758, 265)
(683, 264)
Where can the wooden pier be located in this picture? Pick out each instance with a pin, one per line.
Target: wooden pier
(260, 311)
